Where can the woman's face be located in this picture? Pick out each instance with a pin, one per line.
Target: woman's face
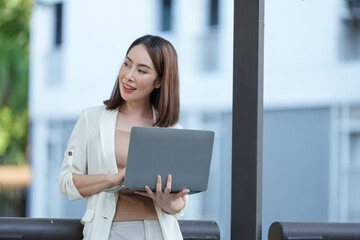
(137, 76)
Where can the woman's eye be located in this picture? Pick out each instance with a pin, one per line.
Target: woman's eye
(141, 71)
(125, 64)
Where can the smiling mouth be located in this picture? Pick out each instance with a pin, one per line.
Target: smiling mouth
(128, 87)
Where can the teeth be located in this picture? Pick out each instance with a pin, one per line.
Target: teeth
(128, 87)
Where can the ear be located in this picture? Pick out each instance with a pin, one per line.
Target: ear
(158, 84)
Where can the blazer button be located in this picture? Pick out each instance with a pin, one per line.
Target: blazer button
(70, 153)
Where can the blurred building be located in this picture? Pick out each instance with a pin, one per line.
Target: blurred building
(311, 119)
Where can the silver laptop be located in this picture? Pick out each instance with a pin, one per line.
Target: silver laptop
(185, 154)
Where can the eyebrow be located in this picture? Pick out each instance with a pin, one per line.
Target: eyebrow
(141, 64)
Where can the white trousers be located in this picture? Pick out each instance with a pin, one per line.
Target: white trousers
(139, 230)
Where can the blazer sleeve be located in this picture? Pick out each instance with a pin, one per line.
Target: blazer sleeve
(75, 159)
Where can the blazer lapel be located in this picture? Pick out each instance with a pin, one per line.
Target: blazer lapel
(107, 136)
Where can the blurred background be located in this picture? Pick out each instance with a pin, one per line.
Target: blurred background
(58, 57)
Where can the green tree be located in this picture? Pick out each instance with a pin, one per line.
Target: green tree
(14, 62)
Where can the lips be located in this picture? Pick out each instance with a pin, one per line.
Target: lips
(128, 88)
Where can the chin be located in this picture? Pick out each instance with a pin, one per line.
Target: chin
(123, 96)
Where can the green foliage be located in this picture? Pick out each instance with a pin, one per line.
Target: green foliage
(14, 61)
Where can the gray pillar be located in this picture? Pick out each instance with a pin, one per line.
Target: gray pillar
(246, 190)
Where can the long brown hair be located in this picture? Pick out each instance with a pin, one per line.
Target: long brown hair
(166, 98)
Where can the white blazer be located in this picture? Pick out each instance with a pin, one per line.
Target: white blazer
(90, 150)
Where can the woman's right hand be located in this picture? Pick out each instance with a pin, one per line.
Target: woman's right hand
(118, 178)
(91, 184)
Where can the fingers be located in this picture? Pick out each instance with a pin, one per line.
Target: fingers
(181, 193)
(142, 193)
(158, 184)
(149, 192)
(167, 189)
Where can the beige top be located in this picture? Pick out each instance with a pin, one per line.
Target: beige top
(130, 207)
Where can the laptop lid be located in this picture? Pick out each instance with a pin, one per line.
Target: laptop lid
(185, 154)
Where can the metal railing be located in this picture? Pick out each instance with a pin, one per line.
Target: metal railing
(71, 229)
(314, 231)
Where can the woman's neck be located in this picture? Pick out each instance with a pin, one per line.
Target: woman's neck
(137, 109)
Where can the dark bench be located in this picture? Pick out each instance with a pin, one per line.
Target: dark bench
(314, 231)
(71, 229)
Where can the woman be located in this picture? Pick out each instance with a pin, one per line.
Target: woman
(146, 93)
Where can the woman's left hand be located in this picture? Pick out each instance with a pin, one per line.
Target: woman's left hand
(171, 203)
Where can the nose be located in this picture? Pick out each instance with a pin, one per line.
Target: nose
(130, 75)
